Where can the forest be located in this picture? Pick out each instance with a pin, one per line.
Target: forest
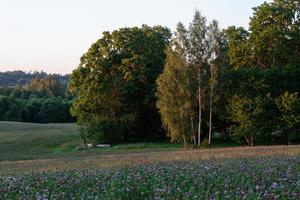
(196, 83)
(40, 100)
(190, 86)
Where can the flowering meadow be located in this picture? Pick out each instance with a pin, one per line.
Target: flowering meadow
(239, 178)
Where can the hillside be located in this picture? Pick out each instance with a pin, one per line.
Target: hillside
(13, 78)
(19, 141)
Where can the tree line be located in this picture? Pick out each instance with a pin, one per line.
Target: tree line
(200, 81)
(18, 77)
(42, 100)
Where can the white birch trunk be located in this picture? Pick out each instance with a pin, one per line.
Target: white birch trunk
(200, 107)
(193, 137)
(210, 105)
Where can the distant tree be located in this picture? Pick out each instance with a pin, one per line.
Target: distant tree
(3, 106)
(17, 104)
(115, 82)
(52, 110)
(18, 77)
(14, 113)
(32, 109)
(49, 86)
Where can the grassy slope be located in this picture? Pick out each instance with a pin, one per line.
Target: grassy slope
(19, 141)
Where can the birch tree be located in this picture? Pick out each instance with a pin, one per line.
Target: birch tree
(214, 36)
(184, 84)
(199, 55)
(182, 46)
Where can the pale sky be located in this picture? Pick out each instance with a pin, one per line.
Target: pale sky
(51, 35)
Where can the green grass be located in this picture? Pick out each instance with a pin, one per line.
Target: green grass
(23, 141)
(28, 141)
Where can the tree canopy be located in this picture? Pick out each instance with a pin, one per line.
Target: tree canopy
(200, 84)
(115, 83)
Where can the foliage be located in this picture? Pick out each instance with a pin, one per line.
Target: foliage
(41, 101)
(187, 85)
(174, 100)
(269, 85)
(247, 115)
(275, 36)
(264, 118)
(272, 40)
(115, 83)
(239, 52)
(289, 119)
(48, 86)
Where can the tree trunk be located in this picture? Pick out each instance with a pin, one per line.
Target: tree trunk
(193, 138)
(182, 124)
(252, 141)
(286, 138)
(210, 105)
(200, 107)
(192, 128)
(184, 141)
(223, 132)
(84, 140)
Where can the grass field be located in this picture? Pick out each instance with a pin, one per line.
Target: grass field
(19, 141)
(27, 141)
(40, 162)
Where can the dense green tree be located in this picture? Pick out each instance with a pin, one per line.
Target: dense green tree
(31, 109)
(14, 113)
(52, 110)
(239, 51)
(3, 106)
(177, 108)
(275, 36)
(115, 82)
(247, 115)
(18, 104)
(279, 108)
(289, 118)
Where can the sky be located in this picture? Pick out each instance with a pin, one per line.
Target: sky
(52, 35)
